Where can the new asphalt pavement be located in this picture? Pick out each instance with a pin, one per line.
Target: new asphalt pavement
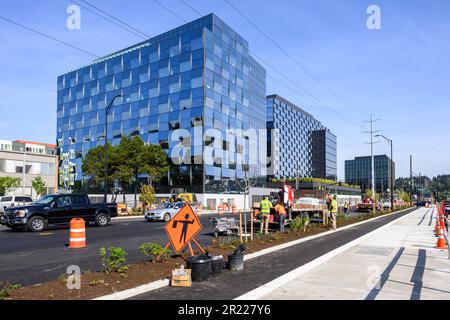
(31, 258)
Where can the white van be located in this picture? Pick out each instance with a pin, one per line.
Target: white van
(12, 201)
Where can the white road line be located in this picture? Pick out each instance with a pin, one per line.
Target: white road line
(122, 295)
(288, 277)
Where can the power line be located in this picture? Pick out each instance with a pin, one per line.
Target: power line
(117, 19)
(49, 37)
(321, 104)
(289, 55)
(191, 7)
(140, 34)
(170, 10)
(311, 97)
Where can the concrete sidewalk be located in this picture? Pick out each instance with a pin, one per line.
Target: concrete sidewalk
(396, 263)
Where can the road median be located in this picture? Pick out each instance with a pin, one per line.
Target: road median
(144, 274)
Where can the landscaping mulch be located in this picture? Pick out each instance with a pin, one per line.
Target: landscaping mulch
(98, 284)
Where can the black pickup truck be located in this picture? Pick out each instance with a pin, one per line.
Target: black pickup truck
(55, 209)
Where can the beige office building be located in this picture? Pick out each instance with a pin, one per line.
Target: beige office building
(27, 160)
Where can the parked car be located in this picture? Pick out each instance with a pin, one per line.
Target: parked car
(11, 201)
(164, 213)
(386, 204)
(421, 204)
(55, 209)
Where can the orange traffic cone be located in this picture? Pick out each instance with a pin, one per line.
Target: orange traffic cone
(441, 244)
(77, 233)
(199, 209)
(437, 227)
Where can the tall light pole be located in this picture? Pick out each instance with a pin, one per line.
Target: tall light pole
(371, 121)
(108, 108)
(392, 168)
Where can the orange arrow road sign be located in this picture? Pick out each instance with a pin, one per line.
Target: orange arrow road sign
(183, 227)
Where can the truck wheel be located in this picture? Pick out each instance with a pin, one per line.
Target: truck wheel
(36, 224)
(167, 217)
(101, 220)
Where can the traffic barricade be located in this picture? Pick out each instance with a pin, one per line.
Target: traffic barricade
(77, 233)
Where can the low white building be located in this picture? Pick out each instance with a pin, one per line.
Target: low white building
(27, 160)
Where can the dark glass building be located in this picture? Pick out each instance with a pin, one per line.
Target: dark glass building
(298, 144)
(187, 81)
(324, 154)
(359, 172)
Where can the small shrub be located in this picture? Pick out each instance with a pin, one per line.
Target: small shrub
(305, 222)
(296, 224)
(113, 259)
(62, 278)
(93, 283)
(6, 289)
(153, 250)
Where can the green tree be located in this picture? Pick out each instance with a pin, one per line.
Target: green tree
(39, 186)
(155, 162)
(131, 155)
(368, 195)
(123, 176)
(147, 195)
(8, 184)
(403, 196)
(94, 164)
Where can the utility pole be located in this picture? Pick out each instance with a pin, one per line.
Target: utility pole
(410, 178)
(392, 182)
(372, 132)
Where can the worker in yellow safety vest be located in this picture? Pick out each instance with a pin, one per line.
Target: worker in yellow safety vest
(333, 208)
(265, 206)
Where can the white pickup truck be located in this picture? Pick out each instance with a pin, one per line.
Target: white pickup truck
(12, 201)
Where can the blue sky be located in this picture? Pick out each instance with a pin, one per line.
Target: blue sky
(399, 73)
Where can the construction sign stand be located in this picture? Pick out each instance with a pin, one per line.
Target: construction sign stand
(181, 231)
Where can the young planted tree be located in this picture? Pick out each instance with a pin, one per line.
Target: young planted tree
(147, 195)
(39, 186)
(246, 185)
(8, 184)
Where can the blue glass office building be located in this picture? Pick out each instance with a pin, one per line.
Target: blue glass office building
(359, 172)
(301, 146)
(195, 77)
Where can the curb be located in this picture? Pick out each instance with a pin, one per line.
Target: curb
(129, 293)
(122, 295)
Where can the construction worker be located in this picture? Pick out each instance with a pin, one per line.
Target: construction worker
(346, 205)
(265, 206)
(333, 208)
(279, 208)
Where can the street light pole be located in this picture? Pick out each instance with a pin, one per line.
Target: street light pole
(392, 168)
(108, 108)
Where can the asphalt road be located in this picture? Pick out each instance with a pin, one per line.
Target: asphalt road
(31, 258)
(261, 270)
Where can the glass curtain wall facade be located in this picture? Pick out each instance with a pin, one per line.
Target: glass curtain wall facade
(193, 78)
(324, 145)
(294, 152)
(358, 171)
